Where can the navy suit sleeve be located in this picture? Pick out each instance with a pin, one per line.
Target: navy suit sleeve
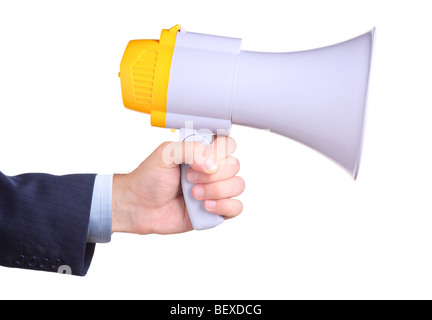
(44, 222)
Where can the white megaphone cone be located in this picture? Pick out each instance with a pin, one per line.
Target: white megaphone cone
(316, 97)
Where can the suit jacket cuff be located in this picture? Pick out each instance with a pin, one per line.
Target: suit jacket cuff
(44, 222)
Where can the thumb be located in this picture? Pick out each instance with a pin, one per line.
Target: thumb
(208, 159)
(197, 155)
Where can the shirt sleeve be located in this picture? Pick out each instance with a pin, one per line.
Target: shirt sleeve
(100, 224)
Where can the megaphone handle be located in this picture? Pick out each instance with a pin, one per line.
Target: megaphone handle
(201, 219)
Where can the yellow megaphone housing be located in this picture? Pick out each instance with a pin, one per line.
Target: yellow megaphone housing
(316, 97)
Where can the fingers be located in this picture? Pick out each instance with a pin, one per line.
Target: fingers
(224, 189)
(213, 170)
(216, 196)
(228, 169)
(229, 208)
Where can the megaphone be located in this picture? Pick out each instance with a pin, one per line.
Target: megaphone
(316, 97)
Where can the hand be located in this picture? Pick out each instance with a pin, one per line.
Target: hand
(150, 199)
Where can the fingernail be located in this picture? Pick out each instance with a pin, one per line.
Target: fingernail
(192, 176)
(210, 204)
(210, 164)
(199, 192)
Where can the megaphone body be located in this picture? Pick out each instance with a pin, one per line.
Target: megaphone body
(316, 97)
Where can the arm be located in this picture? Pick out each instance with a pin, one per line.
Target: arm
(46, 221)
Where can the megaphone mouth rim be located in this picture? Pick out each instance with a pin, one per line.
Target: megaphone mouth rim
(366, 102)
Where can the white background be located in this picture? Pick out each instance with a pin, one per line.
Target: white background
(307, 231)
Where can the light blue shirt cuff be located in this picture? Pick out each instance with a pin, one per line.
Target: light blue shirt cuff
(100, 224)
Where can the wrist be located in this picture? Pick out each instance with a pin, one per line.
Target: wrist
(121, 205)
